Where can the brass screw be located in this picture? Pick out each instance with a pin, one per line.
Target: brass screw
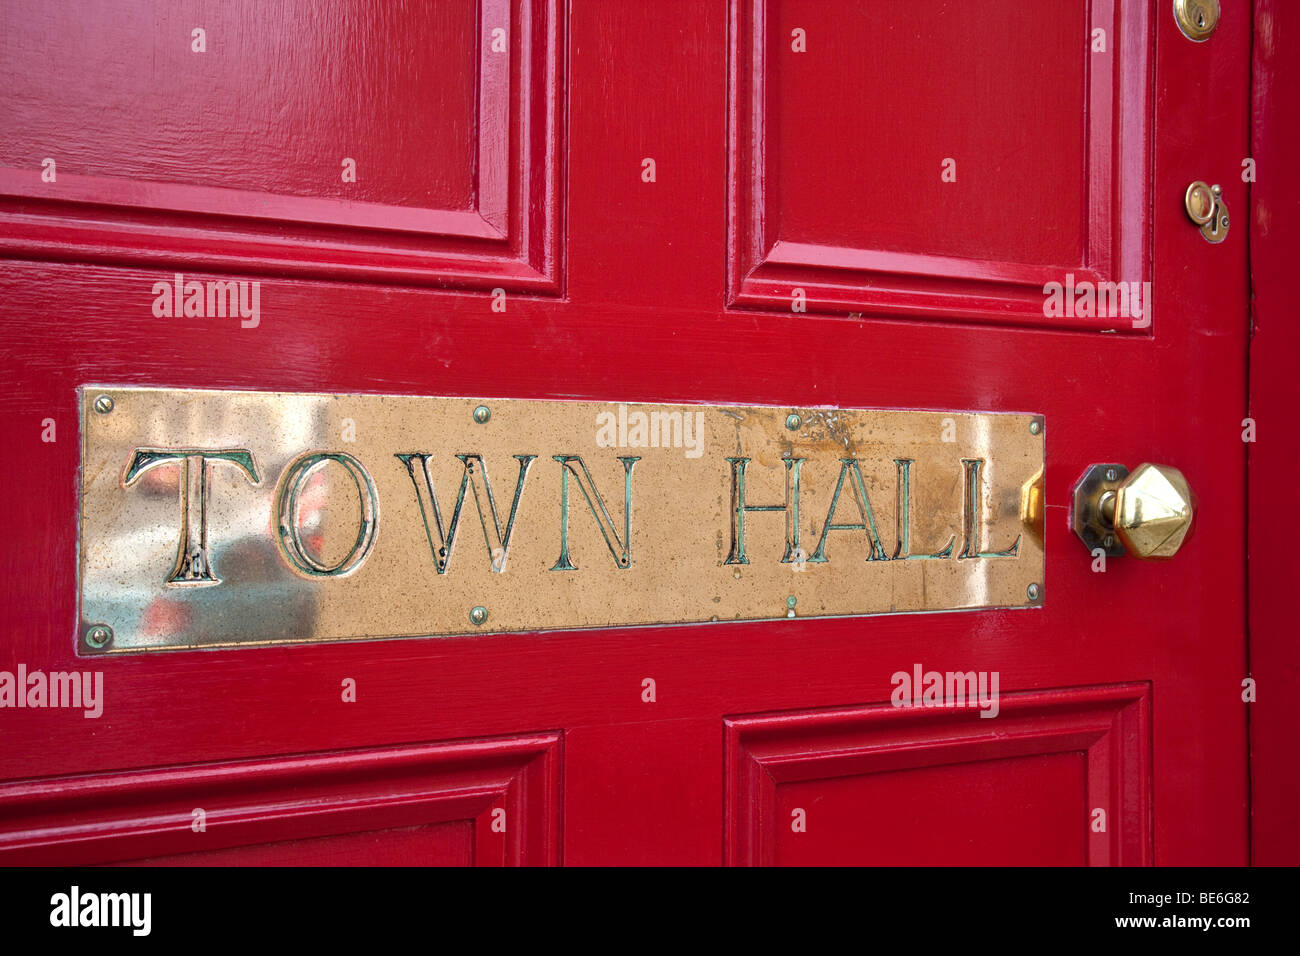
(478, 615)
(104, 404)
(482, 414)
(1111, 474)
(99, 636)
(793, 421)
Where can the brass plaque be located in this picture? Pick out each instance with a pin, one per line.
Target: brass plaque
(218, 518)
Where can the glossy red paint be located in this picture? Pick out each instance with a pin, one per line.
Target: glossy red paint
(339, 808)
(234, 158)
(1274, 398)
(940, 775)
(674, 290)
(865, 223)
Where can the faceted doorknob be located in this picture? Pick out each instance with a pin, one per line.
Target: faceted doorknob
(1147, 513)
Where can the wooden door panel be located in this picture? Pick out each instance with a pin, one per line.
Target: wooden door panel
(1008, 159)
(281, 142)
(484, 802)
(945, 785)
(874, 181)
(235, 156)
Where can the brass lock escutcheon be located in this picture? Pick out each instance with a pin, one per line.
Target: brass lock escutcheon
(1197, 18)
(1147, 513)
(1206, 208)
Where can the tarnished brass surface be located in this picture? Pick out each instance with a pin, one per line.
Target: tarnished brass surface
(1207, 208)
(1092, 510)
(1196, 18)
(217, 518)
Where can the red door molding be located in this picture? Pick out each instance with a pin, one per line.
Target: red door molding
(507, 236)
(1105, 727)
(780, 158)
(503, 793)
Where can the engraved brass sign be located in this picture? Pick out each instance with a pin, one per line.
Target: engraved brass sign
(219, 518)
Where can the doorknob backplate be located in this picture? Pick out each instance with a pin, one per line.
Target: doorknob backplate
(1086, 513)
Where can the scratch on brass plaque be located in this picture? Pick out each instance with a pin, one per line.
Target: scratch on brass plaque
(220, 518)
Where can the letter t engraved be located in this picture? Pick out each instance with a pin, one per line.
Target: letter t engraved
(193, 563)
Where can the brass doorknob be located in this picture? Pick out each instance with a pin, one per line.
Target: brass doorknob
(1147, 513)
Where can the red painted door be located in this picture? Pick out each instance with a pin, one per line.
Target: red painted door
(777, 202)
